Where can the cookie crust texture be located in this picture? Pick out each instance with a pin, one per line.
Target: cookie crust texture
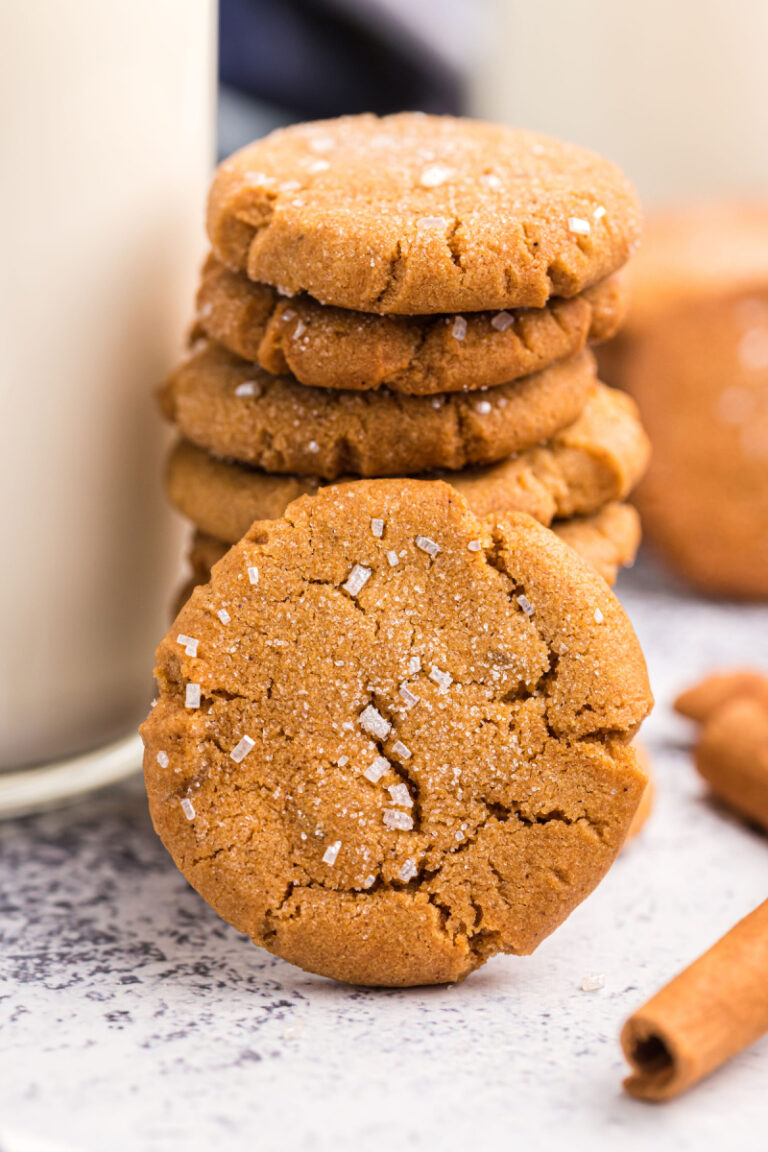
(414, 213)
(596, 460)
(438, 764)
(325, 347)
(607, 540)
(235, 409)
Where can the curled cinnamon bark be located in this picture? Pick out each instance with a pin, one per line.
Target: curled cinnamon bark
(714, 1009)
(709, 695)
(732, 750)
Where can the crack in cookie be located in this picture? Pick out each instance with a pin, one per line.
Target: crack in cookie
(378, 836)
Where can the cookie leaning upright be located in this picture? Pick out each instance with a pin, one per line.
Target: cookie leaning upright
(412, 214)
(391, 739)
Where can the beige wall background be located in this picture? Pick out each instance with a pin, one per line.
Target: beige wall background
(675, 91)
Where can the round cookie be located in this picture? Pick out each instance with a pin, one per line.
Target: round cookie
(608, 540)
(597, 459)
(236, 410)
(647, 800)
(703, 249)
(695, 356)
(700, 377)
(327, 347)
(386, 772)
(421, 214)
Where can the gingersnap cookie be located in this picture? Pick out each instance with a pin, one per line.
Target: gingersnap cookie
(695, 356)
(645, 807)
(235, 409)
(608, 540)
(701, 249)
(327, 347)
(421, 214)
(596, 460)
(700, 376)
(392, 740)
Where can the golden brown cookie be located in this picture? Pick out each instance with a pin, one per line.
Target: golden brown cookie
(706, 250)
(699, 250)
(645, 807)
(607, 541)
(594, 461)
(391, 740)
(236, 410)
(422, 355)
(700, 377)
(421, 214)
(695, 356)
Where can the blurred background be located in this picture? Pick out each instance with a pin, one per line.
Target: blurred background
(672, 92)
(308, 59)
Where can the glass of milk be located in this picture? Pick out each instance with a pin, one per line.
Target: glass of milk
(106, 130)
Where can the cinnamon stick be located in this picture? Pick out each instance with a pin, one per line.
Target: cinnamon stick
(732, 756)
(710, 694)
(714, 1009)
(732, 750)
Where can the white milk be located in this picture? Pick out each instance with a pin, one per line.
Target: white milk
(106, 147)
(672, 90)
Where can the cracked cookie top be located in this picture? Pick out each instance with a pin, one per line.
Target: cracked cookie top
(236, 410)
(336, 348)
(607, 540)
(421, 214)
(391, 739)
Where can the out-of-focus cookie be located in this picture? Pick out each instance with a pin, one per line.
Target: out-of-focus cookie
(645, 807)
(700, 378)
(421, 214)
(697, 251)
(593, 462)
(694, 354)
(234, 409)
(392, 740)
(326, 347)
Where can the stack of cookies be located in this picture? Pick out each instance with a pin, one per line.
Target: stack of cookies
(410, 296)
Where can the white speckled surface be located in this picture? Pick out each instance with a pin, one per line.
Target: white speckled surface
(133, 1020)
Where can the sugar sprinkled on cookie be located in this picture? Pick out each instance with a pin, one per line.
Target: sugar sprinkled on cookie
(349, 830)
(338, 348)
(421, 214)
(284, 426)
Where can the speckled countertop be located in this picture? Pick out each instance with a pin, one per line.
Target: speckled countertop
(133, 1020)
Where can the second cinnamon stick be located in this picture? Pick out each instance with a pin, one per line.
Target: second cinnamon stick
(732, 756)
(707, 1014)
